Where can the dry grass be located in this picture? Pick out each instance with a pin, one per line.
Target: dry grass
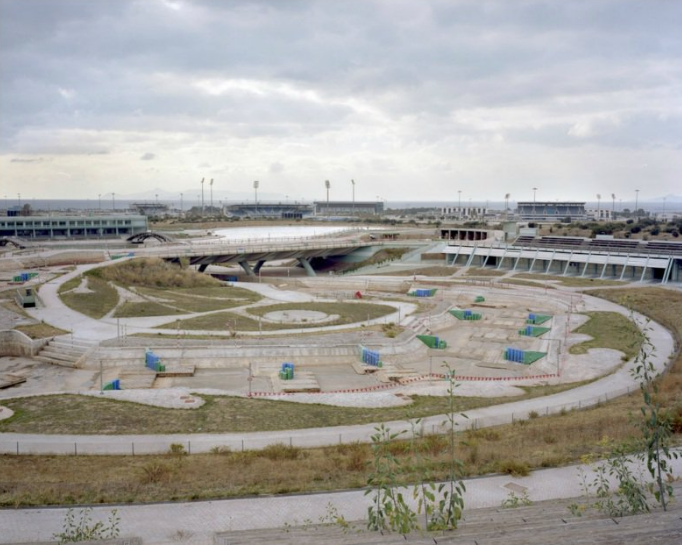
(348, 313)
(572, 281)
(153, 273)
(40, 331)
(101, 300)
(609, 330)
(435, 270)
(541, 442)
(484, 271)
(86, 415)
(528, 283)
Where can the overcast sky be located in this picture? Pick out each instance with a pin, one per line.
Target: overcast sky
(415, 100)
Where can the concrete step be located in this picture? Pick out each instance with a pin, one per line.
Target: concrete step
(132, 379)
(64, 351)
(50, 350)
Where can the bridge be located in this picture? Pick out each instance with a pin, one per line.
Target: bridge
(140, 238)
(17, 242)
(253, 255)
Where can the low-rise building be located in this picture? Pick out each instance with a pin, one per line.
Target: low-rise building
(71, 227)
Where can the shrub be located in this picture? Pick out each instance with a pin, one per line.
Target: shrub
(153, 273)
(513, 467)
(155, 472)
(280, 451)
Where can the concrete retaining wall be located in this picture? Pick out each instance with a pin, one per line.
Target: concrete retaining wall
(16, 343)
(404, 350)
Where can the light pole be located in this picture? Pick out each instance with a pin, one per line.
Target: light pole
(255, 197)
(181, 204)
(459, 203)
(598, 206)
(19, 200)
(663, 209)
(353, 183)
(113, 201)
(637, 204)
(506, 206)
(613, 206)
(534, 191)
(202, 196)
(327, 185)
(211, 186)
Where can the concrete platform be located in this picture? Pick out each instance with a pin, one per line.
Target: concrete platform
(303, 381)
(8, 380)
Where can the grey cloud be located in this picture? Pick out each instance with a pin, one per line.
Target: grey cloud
(147, 157)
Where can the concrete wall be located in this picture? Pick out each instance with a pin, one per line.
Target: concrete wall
(16, 343)
(402, 348)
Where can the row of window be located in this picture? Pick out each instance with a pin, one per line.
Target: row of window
(79, 223)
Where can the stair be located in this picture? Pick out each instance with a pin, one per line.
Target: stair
(64, 351)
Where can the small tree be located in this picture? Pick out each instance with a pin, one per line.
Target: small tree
(656, 425)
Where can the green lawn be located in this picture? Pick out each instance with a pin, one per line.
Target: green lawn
(96, 304)
(609, 330)
(88, 415)
(172, 301)
(348, 313)
(572, 281)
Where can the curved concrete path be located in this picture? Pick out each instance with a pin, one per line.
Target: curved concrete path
(55, 312)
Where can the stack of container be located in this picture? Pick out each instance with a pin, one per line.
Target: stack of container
(113, 385)
(371, 357)
(422, 292)
(153, 362)
(24, 277)
(287, 371)
(514, 354)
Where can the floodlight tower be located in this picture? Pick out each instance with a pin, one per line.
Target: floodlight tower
(637, 204)
(598, 206)
(613, 206)
(327, 185)
(353, 184)
(202, 196)
(506, 206)
(211, 186)
(255, 189)
(534, 191)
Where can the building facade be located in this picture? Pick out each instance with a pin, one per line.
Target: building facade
(72, 227)
(551, 211)
(348, 208)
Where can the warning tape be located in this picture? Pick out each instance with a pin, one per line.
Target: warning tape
(403, 382)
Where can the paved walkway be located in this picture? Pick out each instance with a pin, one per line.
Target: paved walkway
(196, 522)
